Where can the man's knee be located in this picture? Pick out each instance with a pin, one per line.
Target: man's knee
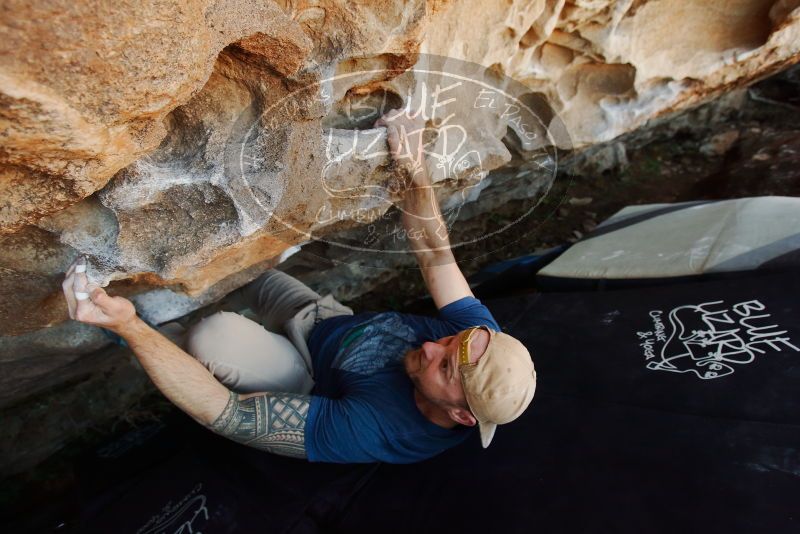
(202, 340)
(276, 297)
(245, 357)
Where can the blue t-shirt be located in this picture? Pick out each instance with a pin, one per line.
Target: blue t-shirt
(362, 406)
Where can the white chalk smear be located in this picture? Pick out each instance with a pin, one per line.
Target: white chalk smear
(80, 268)
(80, 295)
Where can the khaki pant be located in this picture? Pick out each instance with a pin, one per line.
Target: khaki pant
(248, 357)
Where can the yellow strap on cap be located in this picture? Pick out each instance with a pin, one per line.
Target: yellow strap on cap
(463, 348)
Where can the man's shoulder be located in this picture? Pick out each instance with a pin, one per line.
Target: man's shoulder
(467, 310)
(452, 318)
(377, 421)
(466, 306)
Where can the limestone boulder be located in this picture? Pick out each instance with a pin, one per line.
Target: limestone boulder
(85, 87)
(607, 67)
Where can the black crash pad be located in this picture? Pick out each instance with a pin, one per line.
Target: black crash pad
(629, 431)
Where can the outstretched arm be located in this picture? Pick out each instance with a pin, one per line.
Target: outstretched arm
(267, 421)
(422, 219)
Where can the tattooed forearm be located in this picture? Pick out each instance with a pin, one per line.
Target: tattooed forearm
(271, 422)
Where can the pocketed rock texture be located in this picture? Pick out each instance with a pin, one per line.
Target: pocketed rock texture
(155, 137)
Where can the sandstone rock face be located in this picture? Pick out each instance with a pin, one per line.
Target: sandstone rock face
(609, 66)
(183, 146)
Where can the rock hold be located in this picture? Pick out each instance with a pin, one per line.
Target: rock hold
(721, 143)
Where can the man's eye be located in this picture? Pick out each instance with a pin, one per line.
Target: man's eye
(444, 364)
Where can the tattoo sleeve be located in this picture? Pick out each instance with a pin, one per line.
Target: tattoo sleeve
(273, 422)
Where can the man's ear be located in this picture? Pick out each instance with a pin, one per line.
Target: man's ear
(462, 416)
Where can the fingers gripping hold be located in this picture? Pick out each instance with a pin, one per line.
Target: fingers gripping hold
(68, 288)
(80, 283)
(395, 143)
(405, 135)
(77, 290)
(89, 303)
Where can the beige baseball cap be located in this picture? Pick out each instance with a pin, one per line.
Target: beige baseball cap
(500, 385)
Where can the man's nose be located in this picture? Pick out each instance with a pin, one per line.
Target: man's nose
(430, 350)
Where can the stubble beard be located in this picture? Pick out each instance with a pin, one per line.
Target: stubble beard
(412, 364)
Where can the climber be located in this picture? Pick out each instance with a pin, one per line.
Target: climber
(316, 381)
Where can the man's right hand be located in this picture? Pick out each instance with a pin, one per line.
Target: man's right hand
(404, 136)
(90, 304)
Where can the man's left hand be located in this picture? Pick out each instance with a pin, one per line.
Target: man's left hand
(90, 304)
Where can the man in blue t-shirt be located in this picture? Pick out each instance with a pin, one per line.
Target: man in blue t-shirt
(369, 387)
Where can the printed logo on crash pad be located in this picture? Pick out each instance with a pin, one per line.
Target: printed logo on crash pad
(712, 338)
(185, 515)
